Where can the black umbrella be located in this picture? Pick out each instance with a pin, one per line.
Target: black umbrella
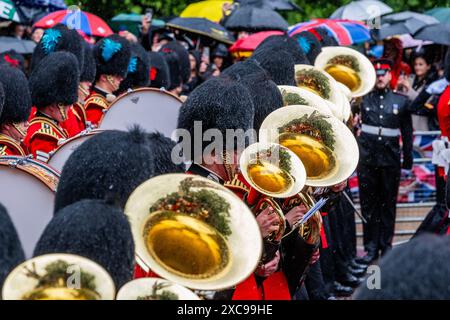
(202, 27)
(254, 19)
(279, 5)
(404, 22)
(18, 45)
(438, 33)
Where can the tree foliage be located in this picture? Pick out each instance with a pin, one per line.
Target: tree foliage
(310, 8)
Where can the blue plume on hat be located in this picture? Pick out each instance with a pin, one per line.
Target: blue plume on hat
(304, 44)
(110, 48)
(50, 40)
(132, 66)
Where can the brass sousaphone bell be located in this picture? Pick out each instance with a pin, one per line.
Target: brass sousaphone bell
(58, 277)
(348, 67)
(275, 172)
(193, 232)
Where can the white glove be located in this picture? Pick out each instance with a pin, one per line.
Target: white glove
(438, 86)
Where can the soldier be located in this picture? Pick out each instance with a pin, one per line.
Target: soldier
(138, 70)
(54, 88)
(16, 110)
(177, 59)
(385, 118)
(159, 71)
(112, 55)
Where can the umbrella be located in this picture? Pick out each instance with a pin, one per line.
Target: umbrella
(245, 46)
(361, 10)
(438, 33)
(86, 22)
(404, 22)
(347, 32)
(211, 10)
(20, 46)
(409, 42)
(253, 19)
(279, 5)
(8, 11)
(131, 22)
(202, 27)
(442, 14)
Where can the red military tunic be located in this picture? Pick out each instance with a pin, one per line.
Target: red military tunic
(11, 147)
(76, 120)
(43, 136)
(443, 113)
(95, 106)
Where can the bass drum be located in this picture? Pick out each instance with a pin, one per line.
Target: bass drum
(28, 192)
(62, 154)
(152, 109)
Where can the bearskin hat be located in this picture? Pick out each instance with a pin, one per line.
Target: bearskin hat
(89, 67)
(95, 230)
(325, 38)
(278, 63)
(138, 69)
(112, 164)
(159, 71)
(14, 59)
(11, 251)
(17, 103)
(182, 55)
(219, 103)
(417, 270)
(59, 38)
(264, 92)
(55, 80)
(309, 43)
(112, 55)
(283, 42)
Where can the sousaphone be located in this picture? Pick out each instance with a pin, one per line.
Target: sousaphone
(326, 147)
(299, 96)
(348, 67)
(193, 231)
(58, 277)
(154, 289)
(322, 84)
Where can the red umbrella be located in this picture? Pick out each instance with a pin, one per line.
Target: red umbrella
(85, 22)
(245, 46)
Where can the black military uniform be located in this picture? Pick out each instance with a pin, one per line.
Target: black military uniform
(385, 117)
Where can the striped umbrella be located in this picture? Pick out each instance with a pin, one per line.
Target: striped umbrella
(347, 32)
(85, 22)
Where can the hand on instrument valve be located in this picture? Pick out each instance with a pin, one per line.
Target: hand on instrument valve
(339, 187)
(296, 214)
(267, 221)
(266, 270)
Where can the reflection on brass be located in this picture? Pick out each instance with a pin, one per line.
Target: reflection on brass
(269, 177)
(318, 159)
(186, 246)
(345, 75)
(61, 293)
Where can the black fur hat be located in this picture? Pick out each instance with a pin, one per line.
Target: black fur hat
(309, 43)
(95, 230)
(55, 80)
(283, 42)
(417, 270)
(14, 59)
(183, 59)
(219, 103)
(159, 71)
(59, 38)
(264, 92)
(89, 67)
(161, 148)
(110, 165)
(17, 105)
(278, 63)
(11, 251)
(112, 56)
(325, 38)
(138, 69)
(173, 66)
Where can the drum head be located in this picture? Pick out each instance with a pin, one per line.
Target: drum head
(62, 154)
(152, 109)
(28, 193)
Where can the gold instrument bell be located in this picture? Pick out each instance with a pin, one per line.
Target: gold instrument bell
(293, 96)
(193, 231)
(326, 147)
(58, 277)
(154, 289)
(348, 67)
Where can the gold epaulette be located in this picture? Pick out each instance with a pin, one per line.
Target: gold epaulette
(3, 151)
(9, 141)
(97, 99)
(236, 184)
(48, 128)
